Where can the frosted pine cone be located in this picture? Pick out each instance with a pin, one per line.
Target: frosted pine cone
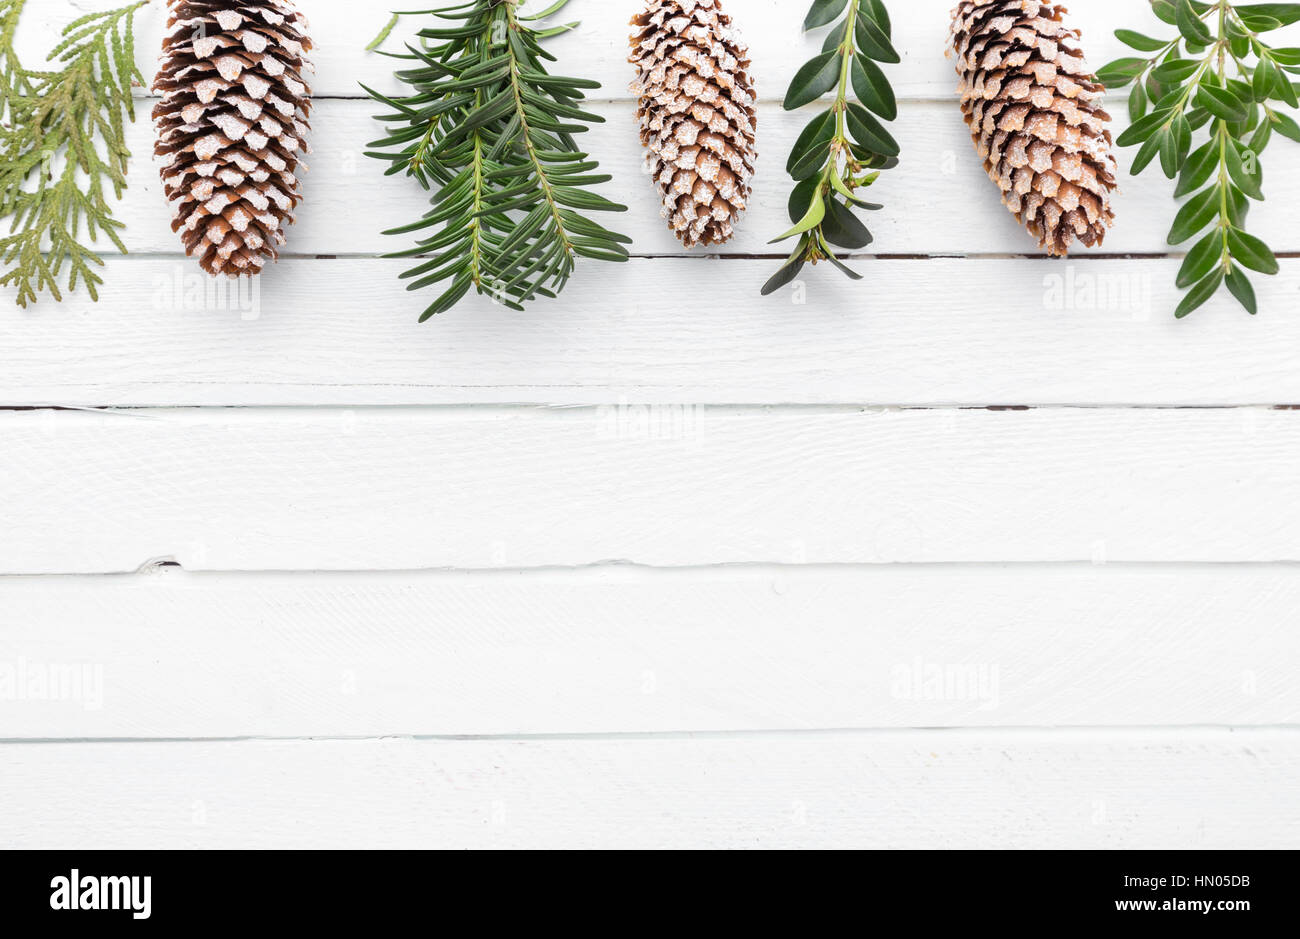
(696, 107)
(1035, 114)
(231, 126)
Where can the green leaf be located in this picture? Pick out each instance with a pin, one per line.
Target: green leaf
(874, 41)
(1190, 25)
(873, 88)
(1240, 287)
(1203, 258)
(869, 132)
(1199, 211)
(812, 149)
(1119, 73)
(785, 276)
(1175, 71)
(1284, 14)
(1147, 153)
(1143, 129)
(1250, 252)
(823, 12)
(1138, 102)
(879, 15)
(812, 218)
(1197, 169)
(1245, 170)
(816, 78)
(841, 227)
(1140, 42)
(1286, 125)
(1222, 103)
(1199, 295)
(1175, 145)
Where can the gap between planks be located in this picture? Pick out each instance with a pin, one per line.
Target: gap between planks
(1186, 733)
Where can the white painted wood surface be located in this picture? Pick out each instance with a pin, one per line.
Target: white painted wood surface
(379, 544)
(1193, 789)
(173, 654)
(934, 332)
(324, 489)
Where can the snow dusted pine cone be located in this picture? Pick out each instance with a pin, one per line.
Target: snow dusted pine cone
(1034, 110)
(231, 125)
(697, 115)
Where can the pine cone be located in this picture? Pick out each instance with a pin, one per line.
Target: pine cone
(1034, 109)
(231, 125)
(697, 115)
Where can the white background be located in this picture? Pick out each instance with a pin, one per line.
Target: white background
(661, 563)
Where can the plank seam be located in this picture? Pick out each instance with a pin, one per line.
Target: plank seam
(1111, 731)
(167, 567)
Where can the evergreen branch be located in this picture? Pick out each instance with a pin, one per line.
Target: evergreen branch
(53, 175)
(492, 133)
(1216, 74)
(845, 147)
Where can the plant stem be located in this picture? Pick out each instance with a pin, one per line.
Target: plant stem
(527, 137)
(1225, 221)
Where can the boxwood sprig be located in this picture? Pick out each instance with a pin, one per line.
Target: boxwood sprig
(1216, 83)
(844, 148)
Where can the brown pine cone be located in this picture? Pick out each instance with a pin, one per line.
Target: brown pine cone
(231, 126)
(698, 121)
(1035, 114)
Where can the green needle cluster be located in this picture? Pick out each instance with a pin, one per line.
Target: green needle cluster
(491, 133)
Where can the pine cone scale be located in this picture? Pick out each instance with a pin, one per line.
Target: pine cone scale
(698, 120)
(1036, 119)
(232, 124)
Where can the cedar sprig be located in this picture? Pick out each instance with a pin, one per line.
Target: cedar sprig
(63, 145)
(491, 132)
(844, 148)
(13, 78)
(1218, 76)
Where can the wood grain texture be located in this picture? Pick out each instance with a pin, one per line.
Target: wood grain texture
(341, 29)
(544, 694)
(329, 490)
(173, 655)
(937, 332)
(1155, 789)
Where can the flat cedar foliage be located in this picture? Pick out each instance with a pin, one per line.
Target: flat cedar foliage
(491, 133)
(62, 148)
(1206, 102)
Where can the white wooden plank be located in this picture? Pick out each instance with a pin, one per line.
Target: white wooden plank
(1155, 789)
(938, 200)
(1002, 332)
(341, 29)
(177, 655)
(408, 489)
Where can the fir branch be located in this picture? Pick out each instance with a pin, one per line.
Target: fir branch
(492, 133)
(1215, 74)
(845, 147)
(53, 175)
